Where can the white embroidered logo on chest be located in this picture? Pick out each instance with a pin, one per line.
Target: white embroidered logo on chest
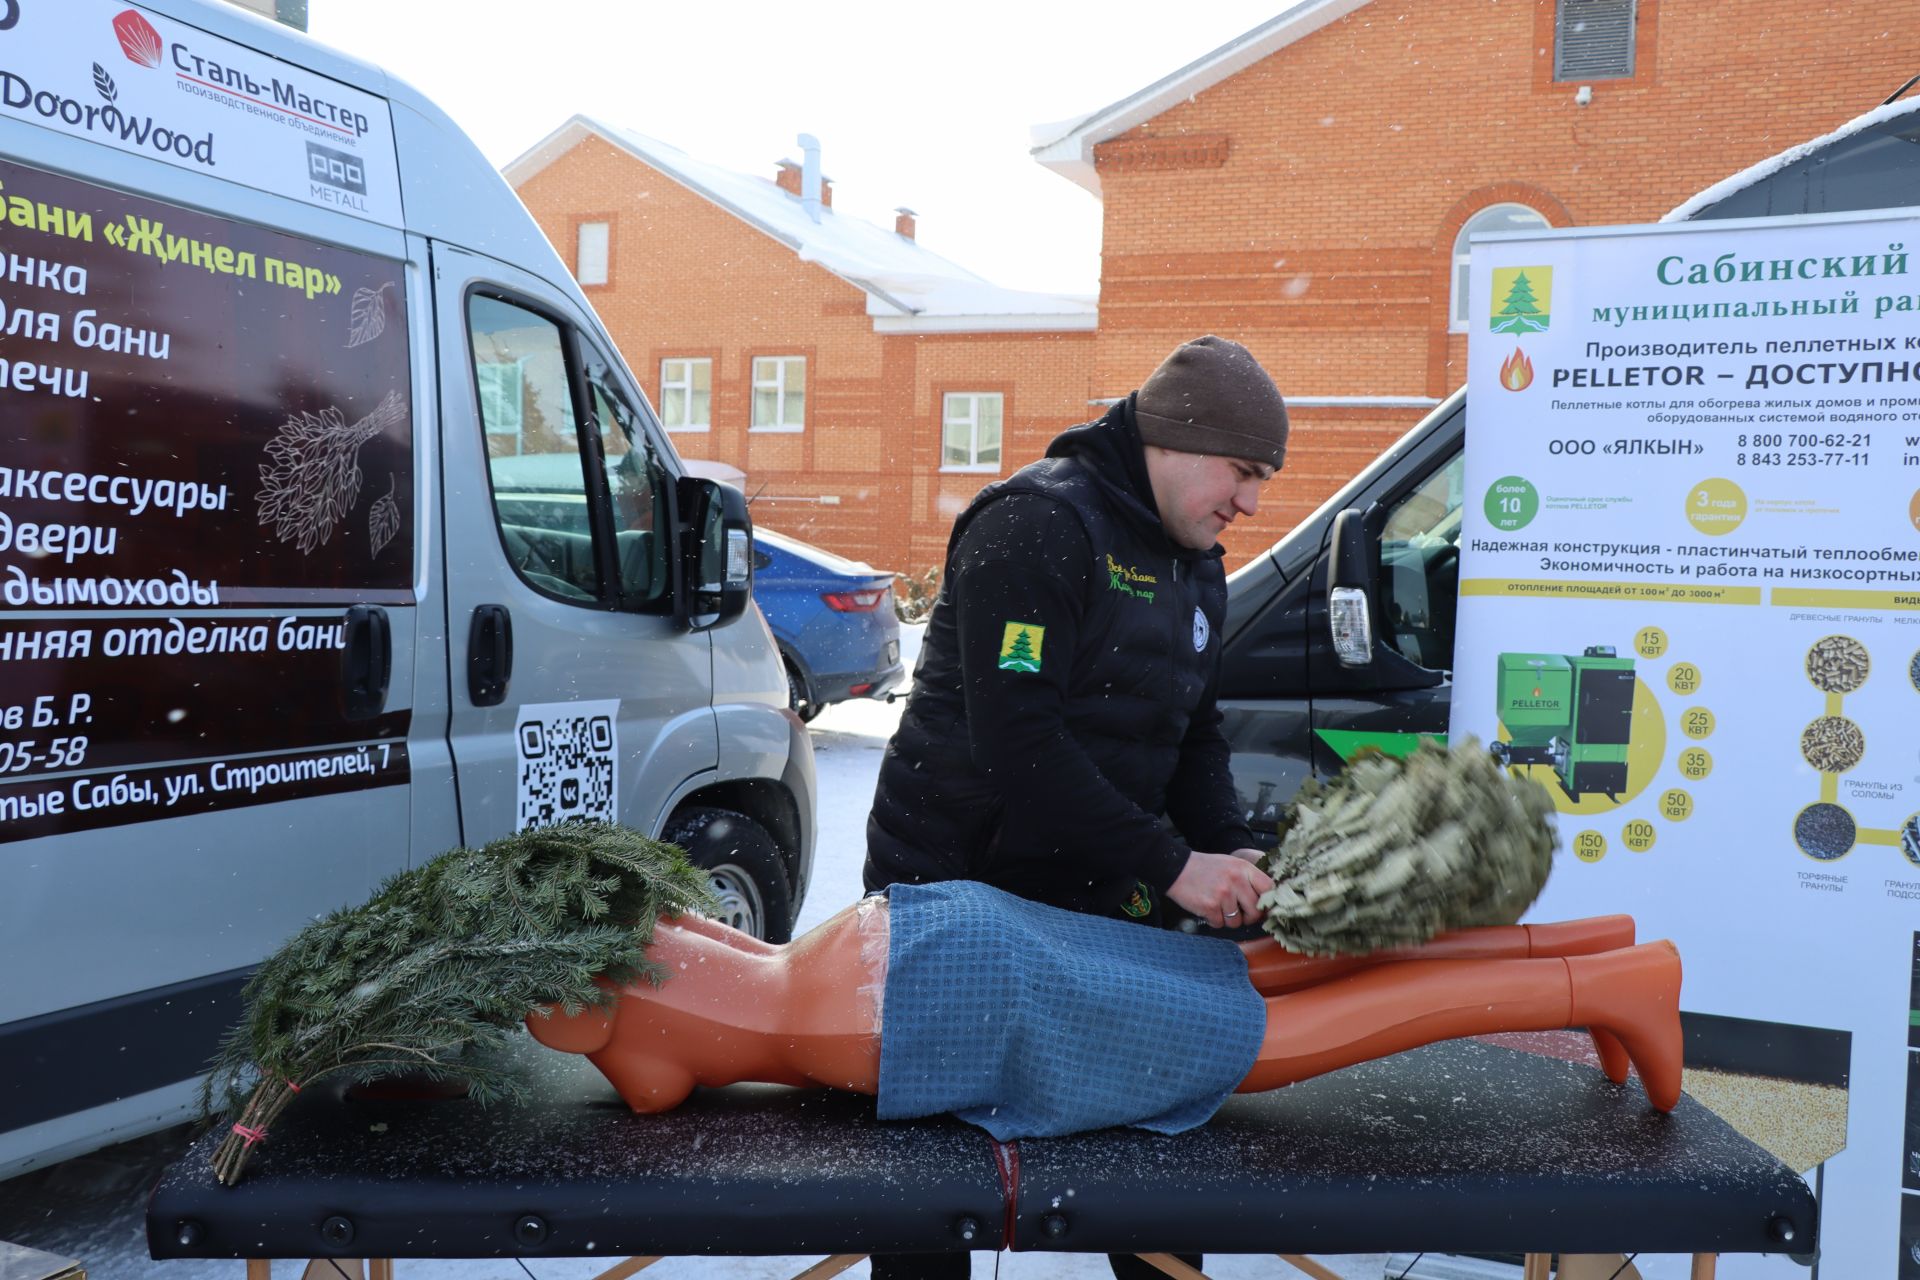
(1200, 630)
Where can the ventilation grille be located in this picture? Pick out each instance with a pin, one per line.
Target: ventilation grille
(1593, 40)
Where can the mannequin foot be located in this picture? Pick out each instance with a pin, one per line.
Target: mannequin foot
(1632, 996)
(1613, 1054)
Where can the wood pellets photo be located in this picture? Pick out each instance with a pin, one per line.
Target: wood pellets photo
(1838, 664)
(1910, 839)
(1833, 744)
(1913, 670)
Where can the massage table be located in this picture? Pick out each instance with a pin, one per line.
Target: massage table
(1461, 1147)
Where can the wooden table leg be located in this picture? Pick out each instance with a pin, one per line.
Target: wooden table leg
(1538, 1266)
(259, 1269)
(829, 1267)
(1172, 1266)
(1705, 1266)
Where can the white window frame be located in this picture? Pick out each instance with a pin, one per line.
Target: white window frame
(604, 250)
(686, 389)
(1458, 301)
(778, 385)
(518, 427)
(971, 420)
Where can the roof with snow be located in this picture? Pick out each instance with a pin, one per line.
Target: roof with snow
(909, 288)
(1066, 146)
(1727, 188)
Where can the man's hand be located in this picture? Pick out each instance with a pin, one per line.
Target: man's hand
(1220, 888)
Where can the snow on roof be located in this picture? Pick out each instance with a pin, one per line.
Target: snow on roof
(1773, 164)
(1066, 146)
(909, 288)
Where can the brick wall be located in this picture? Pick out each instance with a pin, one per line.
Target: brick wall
(688, 279)
(1308, 205)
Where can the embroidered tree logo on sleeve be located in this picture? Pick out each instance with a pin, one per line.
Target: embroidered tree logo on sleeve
(1020, 647)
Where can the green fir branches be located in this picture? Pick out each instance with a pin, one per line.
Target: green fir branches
(1392, 852)
(444, 962)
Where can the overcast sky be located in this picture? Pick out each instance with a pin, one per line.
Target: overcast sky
(925, 105)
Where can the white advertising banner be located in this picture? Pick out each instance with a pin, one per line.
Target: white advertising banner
(1690, 608)
(135, 80)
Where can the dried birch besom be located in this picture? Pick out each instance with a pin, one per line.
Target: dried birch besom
(314, 479)
(444, 962)
(1392, 852)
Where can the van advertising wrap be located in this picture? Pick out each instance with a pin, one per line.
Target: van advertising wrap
(136, 80)
(1690, 610)
(206, 450)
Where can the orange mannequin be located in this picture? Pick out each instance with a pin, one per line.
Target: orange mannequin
(811, 1012)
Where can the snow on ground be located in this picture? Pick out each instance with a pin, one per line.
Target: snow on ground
(93, 1208)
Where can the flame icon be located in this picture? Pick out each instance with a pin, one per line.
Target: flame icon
(1516, 371)
(138, 40)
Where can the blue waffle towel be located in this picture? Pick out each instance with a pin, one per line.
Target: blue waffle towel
(1033, 1022)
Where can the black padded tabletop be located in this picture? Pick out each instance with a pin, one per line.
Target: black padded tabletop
(1461, 1146)
(747, 1170)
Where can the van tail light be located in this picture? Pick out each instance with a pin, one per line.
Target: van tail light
(854, 601)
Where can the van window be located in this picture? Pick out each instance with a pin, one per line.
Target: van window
(638, 485)
(533, 448)
(1420, 568)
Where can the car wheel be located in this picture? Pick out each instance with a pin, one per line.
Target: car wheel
(803, 706)
(743, 866)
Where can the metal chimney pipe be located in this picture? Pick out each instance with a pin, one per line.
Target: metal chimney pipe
(810, 175)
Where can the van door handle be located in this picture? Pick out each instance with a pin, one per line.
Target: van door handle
(366, 661)
(489, 655)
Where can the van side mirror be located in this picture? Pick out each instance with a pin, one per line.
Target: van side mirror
(716, 554)
(1350, 585)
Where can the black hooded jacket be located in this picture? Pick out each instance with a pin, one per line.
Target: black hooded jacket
(1064, 696)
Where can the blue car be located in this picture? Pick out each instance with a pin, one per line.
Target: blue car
(834, 619)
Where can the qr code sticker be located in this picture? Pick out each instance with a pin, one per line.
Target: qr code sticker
(569, 762)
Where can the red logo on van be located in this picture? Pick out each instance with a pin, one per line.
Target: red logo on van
(138, 40)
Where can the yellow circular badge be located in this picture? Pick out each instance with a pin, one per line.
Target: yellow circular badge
(1695, 763)
(1716, 507)
(1589, 846)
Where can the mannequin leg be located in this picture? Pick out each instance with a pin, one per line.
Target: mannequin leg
(1633, 994)
(1274, 970)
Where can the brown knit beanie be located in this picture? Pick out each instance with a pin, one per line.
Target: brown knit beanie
(1212, 396)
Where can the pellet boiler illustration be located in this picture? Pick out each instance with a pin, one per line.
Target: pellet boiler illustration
(1573, 713)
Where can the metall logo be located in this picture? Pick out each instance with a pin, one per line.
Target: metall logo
(336, 168)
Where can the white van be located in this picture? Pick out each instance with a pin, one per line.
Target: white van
(333, 534)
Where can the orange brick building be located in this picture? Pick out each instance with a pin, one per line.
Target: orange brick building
(1304, 189)
(866, 387)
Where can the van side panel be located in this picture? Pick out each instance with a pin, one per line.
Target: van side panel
(206, 457)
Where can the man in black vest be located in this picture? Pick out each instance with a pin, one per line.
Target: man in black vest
(1063, 703)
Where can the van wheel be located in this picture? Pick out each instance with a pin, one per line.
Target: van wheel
(803, 706)
(744, 868)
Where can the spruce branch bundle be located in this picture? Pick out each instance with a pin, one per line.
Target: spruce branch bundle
(1392, 852)
(444, 962)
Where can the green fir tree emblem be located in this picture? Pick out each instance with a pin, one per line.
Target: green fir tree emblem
(1020, 647)
(1520, 311)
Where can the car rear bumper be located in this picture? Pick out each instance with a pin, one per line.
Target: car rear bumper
(832, 687)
